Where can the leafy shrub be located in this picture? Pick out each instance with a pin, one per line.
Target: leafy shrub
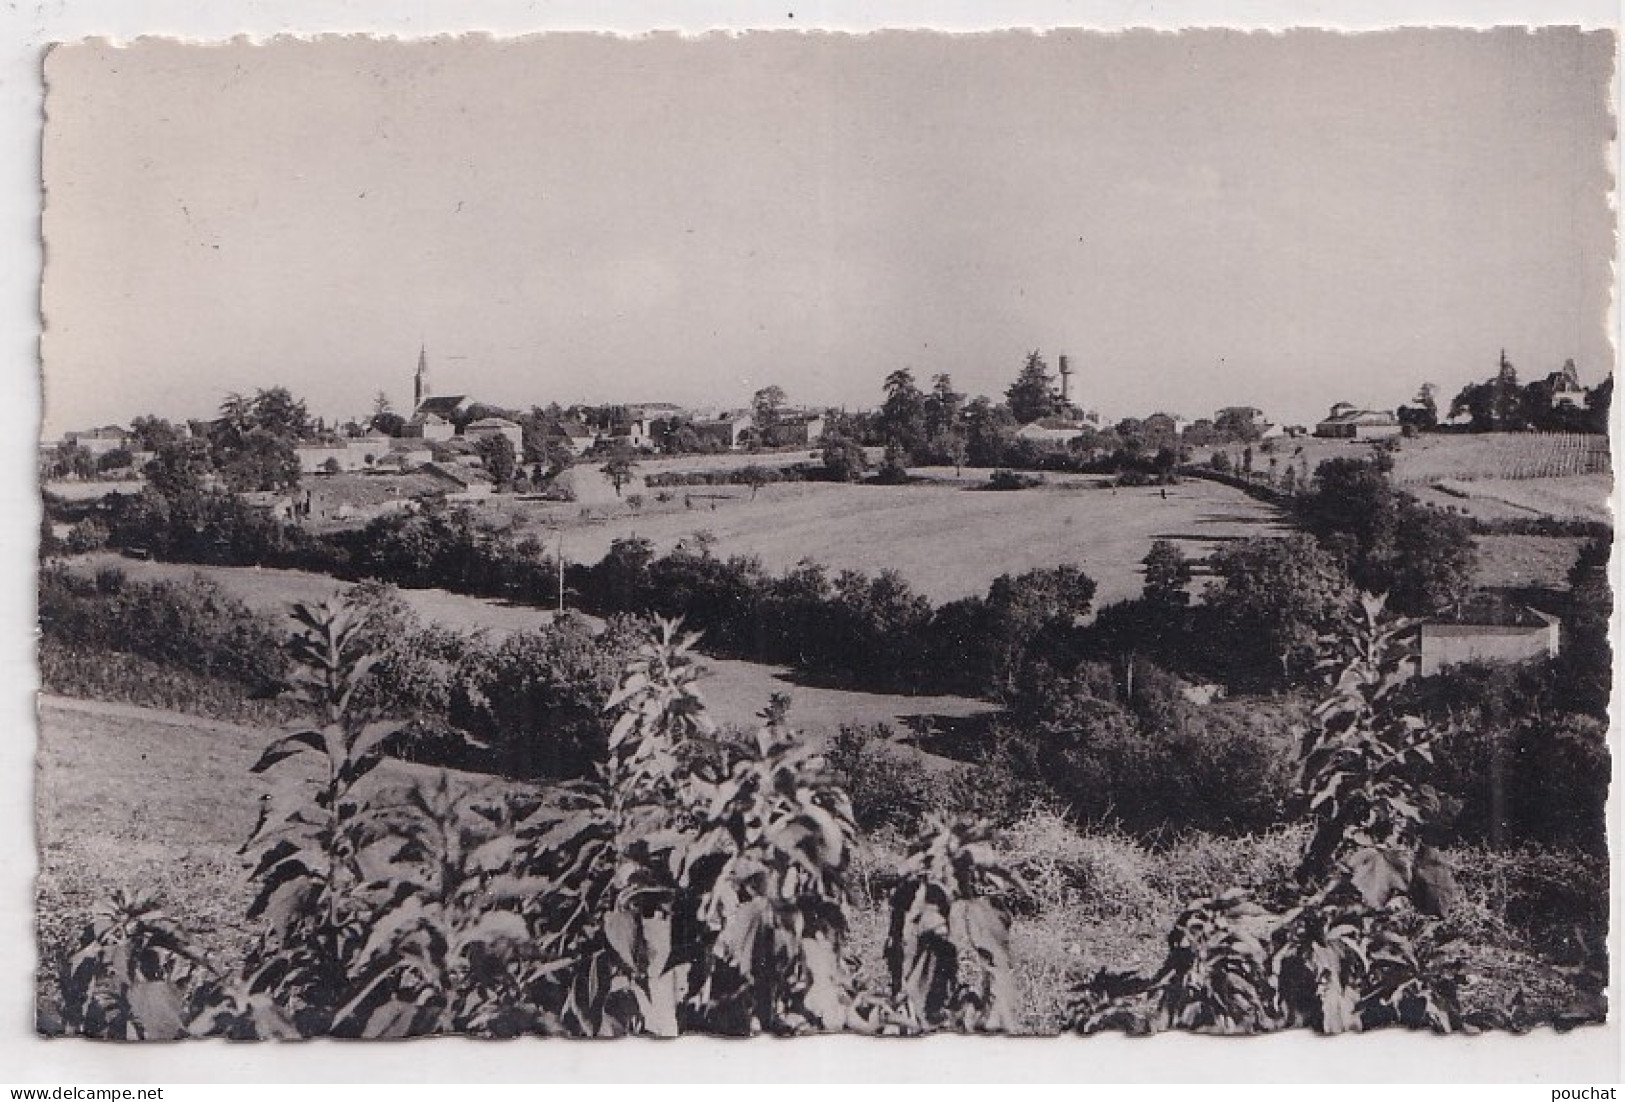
(1345, 954)
(536, 700)
(894, 790)
(699, 883)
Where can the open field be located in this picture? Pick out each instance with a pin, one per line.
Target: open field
(1579, 497)
(948, 540)
(1527, 562)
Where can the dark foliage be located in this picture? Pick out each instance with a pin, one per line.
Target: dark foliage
(193, 625)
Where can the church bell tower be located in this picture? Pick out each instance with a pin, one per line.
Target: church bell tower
(420, 381)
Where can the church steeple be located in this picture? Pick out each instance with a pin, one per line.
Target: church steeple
(420, 381)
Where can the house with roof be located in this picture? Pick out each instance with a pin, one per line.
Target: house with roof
(1565, 389)
(1345, 422)
(731, 430)
(570, 434)
(1052, 432)
(429, 426)
(461, 482)
(98, 441)
(319, 458)
(797, 428)
(497, 426)
(1487, 630)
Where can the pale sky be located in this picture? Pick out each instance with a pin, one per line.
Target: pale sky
(1197, 220)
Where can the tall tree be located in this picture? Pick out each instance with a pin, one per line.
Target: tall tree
(501, 461)
(1599, 401)
(902, 416)
(942, 408)
(1423, 412)
(989, 431)
(767, 408)
(1508, 397)
(1033, 395)
(620, 466)
(148, 434)
(260, 461)
(278, 412)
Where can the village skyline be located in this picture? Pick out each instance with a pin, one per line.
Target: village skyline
(1196, 220)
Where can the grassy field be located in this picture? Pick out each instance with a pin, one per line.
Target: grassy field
(947, 539)
(1527, 562)
(1581, 497)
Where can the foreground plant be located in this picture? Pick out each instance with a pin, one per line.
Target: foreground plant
(1356, 948)
(698, 883)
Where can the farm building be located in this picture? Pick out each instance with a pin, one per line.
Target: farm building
(1488, 632)
(1344, 422)
(797, 428)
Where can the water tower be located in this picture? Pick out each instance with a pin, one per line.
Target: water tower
(1066, 381)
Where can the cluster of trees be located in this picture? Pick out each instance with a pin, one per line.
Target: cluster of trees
(188, 524)
(453, 549)
(1503, 404)
(874, 631)
(941, 426)
(74, 460)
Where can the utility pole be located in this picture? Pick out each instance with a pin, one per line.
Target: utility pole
(559, 558)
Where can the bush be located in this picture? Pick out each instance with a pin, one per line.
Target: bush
(86, 536)
(1006, 479)
(537, 699)
(454, 550)
(193, 626)
(896, 790)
